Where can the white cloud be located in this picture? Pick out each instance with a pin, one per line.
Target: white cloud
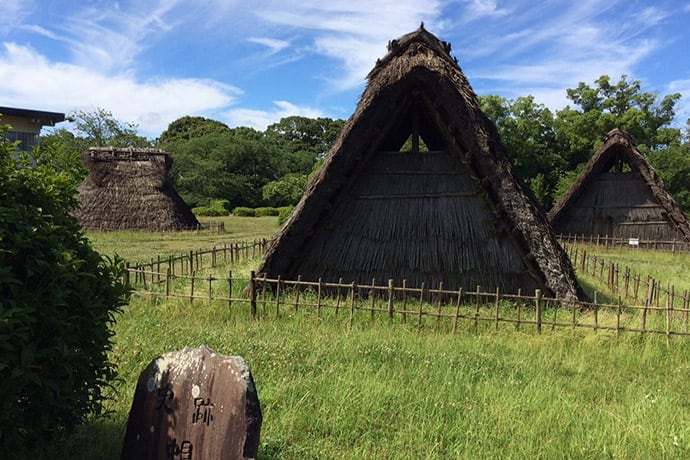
(260, 119)
(274, 45)
(31, 81)
(353, 32)
(477, 9)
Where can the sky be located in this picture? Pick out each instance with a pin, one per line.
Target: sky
(253, 62)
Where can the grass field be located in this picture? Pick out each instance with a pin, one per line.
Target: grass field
(392, 391)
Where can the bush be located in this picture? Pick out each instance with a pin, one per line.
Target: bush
(284, 213)
(268, 211)
(221, 204)
(58, 299)
(216, 208)
(243, 212)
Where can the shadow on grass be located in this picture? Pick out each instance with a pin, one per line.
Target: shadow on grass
(98, 439)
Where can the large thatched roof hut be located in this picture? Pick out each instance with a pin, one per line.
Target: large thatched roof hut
(128, 189)
(618, 194)
(453, 212)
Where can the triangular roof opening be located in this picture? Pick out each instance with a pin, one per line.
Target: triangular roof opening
(454, 212)
(618, 194)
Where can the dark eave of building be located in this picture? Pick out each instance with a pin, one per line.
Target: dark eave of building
(38, 116)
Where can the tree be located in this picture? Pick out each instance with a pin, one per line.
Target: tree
(100, 129)
(187, 127)
(222, 166)
(528, 131)
(302, 141)
(285, 191)
(673, 166)
(57, 299)
(606, 106)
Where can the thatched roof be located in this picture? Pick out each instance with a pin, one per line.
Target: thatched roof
(455, 214)
(618, 194)
(128, 189)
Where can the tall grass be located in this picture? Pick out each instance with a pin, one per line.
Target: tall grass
(394, 391)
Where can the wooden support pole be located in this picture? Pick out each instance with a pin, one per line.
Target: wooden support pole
(252, 293)
(390, 298)
(352, 304)
(537, 305)
(457, 311)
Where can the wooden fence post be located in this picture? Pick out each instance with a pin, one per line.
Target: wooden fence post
(537, 304)
(498, 298)
(421, 304)
(476, 310)
(404, 305)
(298, 290)
(352, 305)
(457, 311)
(167, 282)
(252, 293)
(439, 310)
(229, 289)
(278, 298)
(596, 313)
(337, 302)
(390, 298)
(519, 308)
(372, 295)
(191, 294)
(318, 300)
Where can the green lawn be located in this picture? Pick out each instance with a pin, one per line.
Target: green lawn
(393, 391)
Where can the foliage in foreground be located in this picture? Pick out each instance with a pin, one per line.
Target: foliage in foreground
(58, 299)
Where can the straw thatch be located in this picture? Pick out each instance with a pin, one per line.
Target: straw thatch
(618, 194)
(128, 189)
(455, 214)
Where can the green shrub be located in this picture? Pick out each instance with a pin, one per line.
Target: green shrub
(221, 204)
(284, 213)
(58, 297)
(243, 212)
(267, 211)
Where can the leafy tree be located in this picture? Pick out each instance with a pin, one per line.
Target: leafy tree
(187, 127)
(223, 166)
(528, 131)
(100, 129)
(285, 191)
(673, 166)
(302, 141)
(57, 299)
(606, 106)
(66, 138)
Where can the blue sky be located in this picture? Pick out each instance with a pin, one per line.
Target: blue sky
(251, 62)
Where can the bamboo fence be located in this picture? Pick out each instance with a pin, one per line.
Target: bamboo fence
(426, 306)
(673, 246)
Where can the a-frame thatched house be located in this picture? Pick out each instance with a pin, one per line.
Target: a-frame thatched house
(128, 189)
(618, 194)
(453, 212)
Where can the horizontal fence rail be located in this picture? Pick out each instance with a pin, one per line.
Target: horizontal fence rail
(635, 243)
(187, 263)
(426, 306)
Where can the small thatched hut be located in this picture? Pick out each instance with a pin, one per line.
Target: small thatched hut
(618, 194)
(128, 189)
(448, 208)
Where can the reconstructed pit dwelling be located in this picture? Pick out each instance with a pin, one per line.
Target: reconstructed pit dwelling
(619, 195)
(128, 189)
(418, 186)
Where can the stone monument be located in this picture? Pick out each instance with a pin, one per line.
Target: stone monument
(194, 404)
